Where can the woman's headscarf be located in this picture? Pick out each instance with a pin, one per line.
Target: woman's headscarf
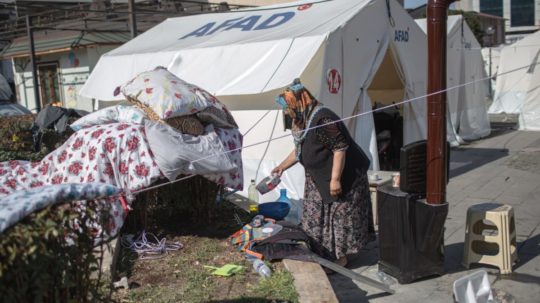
(298, 103)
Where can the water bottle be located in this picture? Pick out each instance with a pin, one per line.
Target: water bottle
(253, 196)
(261, 268)
(283, 196)
(293, 215)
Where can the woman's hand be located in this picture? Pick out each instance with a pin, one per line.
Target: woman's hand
(335, 188)
(277, 171)
(288, 162)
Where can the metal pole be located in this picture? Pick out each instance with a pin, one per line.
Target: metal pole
(35, 81)
(490, 73)
(132, 18)
(437, 13)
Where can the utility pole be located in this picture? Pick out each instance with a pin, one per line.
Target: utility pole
(490, 73)
(30, 33)
(132, 18)
(436, 170)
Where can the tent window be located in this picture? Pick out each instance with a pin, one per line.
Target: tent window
(385, 89)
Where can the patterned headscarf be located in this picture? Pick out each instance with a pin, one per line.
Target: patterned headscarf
(298, 103)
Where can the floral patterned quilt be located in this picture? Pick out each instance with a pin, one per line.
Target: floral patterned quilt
(117, 154)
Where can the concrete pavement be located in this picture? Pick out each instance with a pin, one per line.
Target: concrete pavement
(503, 168)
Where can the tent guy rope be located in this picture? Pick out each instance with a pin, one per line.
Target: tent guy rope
(130, 194)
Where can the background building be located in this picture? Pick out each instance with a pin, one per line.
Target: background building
(522, 16)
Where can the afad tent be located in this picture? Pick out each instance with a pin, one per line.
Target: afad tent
(343, 51)
(517, 89)
(467, 82)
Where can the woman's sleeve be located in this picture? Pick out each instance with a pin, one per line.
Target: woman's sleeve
(331, 136)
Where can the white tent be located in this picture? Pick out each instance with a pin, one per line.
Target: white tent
(343, 51)
(517, 88)
(466, 104)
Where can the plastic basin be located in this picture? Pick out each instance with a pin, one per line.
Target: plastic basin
(274, 210)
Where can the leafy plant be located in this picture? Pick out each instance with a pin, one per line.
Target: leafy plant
(51, 256)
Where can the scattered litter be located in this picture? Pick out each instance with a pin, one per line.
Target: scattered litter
(473, 288)
(226, 270)
(385, 278)
(146, 249)
(122, 283)
(502, 296)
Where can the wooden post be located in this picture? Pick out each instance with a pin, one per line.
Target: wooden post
(30, 34)
(437, 13)
(132, 18)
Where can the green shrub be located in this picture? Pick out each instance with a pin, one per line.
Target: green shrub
(48, 258)
(16, 141)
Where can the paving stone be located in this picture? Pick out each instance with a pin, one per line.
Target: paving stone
(484, 176)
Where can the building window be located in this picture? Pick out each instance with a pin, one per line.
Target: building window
(522, 13)
(492, 7)
(48, 83)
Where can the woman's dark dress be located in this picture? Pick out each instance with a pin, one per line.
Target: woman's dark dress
(342, 227)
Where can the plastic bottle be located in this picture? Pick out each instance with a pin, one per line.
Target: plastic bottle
(260, 267)
(253, 196)
(283, 196)
(294, 213)
(384, 278)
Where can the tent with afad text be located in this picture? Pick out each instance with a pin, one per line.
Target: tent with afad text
(349, 54)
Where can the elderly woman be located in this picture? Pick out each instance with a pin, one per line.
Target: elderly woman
(337, 207)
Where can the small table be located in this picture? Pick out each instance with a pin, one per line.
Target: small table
(385, 177)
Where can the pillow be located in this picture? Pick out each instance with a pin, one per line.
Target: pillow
(221, 118)
(181, 154)
(165, 94)
(186, 124)
(113, 114)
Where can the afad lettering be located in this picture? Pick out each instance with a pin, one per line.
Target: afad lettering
(401, 35)
(244, 24)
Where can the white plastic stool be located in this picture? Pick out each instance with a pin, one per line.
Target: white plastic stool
(493, 243)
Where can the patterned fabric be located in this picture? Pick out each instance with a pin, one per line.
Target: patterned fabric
(219, 117)
(331, 136)
(186, 125)
(117, 154)
(298, 103)
(15, 207)
(340, 228)
(167, 95)
(112, 114)
(232, 140)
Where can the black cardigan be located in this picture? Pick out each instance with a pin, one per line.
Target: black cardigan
(317, 155)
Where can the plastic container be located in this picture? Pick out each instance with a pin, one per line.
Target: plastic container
(384, 278)
(473, 288)
(295, 214)
(276, 210)
(253, 196)
(260, 267)
(268, 183)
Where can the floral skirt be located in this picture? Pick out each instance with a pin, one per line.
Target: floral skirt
(340, 228)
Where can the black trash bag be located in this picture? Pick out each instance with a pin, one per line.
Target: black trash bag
(53, 119)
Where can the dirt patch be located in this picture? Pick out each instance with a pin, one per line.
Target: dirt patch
(181, 276)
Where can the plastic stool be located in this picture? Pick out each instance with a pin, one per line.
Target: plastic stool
(493, 243)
